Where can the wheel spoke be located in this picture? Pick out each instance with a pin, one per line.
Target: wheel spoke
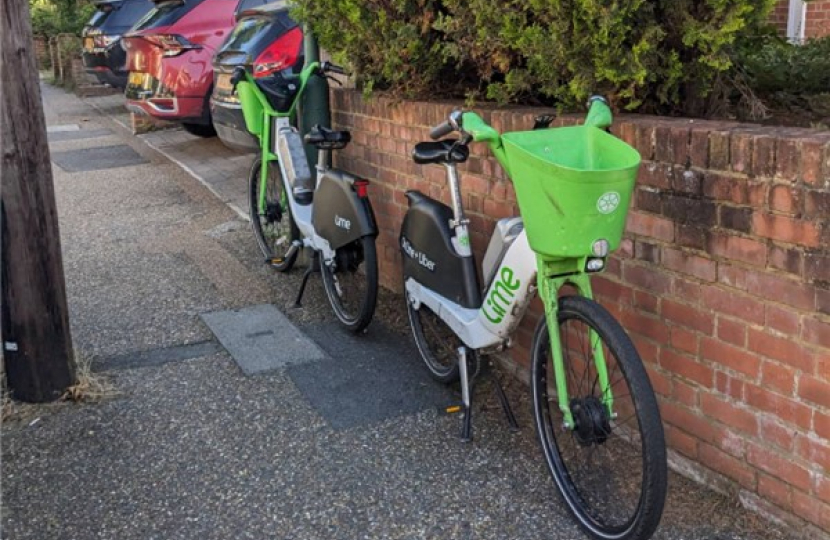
(599, 461)
(272, 224)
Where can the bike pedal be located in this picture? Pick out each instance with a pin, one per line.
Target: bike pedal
(453, 409)
(274, 261)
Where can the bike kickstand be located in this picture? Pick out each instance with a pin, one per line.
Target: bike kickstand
(505, 404)
(466, 396)
(312, 268)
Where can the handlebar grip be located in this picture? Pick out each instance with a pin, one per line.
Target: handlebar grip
(335, 69)
(238, 76)
(441, 130)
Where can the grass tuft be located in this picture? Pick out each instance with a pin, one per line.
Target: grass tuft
(91, 387)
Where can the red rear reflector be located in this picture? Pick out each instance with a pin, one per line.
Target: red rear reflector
(362, 188)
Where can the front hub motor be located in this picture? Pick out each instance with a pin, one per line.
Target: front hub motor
(591, 419)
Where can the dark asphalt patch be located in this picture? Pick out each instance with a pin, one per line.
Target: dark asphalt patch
(368, 379)
(96, 159)
(59, 136)
(158, 357)
(261, 339)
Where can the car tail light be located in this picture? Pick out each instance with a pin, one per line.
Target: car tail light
(282, 53)
(103, 42)
(171, 44)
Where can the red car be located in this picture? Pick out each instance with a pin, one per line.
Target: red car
(169, 56)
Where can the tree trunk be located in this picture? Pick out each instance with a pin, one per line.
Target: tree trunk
(36, 342)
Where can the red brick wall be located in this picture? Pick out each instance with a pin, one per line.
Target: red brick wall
(817, 22)
(723, 279)
(818, 19)
(780, 15)
(41, 53)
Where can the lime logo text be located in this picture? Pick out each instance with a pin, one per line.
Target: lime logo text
(501, 295)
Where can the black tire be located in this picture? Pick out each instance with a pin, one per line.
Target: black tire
(437, 344)
(200, 130)
(276, 230)
(618, 488)
(352, 284)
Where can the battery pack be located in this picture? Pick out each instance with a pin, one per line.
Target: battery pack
(289, 148)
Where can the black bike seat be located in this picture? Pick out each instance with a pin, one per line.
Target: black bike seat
(327, 139)
(445, 151)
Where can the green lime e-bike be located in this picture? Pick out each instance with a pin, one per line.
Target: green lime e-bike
(291, 209)
(594, 408)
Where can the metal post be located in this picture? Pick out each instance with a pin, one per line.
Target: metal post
(314, 107)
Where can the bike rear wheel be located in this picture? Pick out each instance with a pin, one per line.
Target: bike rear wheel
(610, 470)
(351, 283)
(437, 344)
(274, 228)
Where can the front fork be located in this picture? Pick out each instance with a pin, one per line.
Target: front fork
(267, 156)
(551, 277)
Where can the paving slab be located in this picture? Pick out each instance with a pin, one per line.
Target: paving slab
(366, 380)
(77, 134)
(159, 357)
(261, 339)
(97, 158)
(62, 128)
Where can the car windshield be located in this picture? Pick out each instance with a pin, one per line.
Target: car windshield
(100, 15)
(165, 14)
(245, 30)
(129, 12)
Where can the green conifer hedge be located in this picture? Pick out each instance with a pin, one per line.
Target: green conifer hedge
(658, 55)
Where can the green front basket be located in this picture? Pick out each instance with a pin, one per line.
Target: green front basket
(573, 185)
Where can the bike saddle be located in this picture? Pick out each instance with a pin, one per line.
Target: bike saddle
(327, 139)
(444, 151)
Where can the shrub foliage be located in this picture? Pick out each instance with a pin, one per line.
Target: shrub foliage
(788, 77)
(649, 54)
(53, 17)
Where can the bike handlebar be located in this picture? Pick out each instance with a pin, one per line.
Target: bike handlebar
(441, 130)
(238, 76)
(452, 123)
(240, 73)
(332, 68)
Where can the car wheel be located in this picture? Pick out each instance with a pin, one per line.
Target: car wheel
(200, 130)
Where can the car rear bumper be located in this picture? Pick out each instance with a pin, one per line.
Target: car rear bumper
(146, 95)
(108, 65)
(230, 126)
(172, 108)
(106, 76)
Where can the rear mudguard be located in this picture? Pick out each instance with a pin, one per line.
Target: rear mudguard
(340, 215)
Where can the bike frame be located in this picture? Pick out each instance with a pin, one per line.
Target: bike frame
(520, 274)
(301, 214)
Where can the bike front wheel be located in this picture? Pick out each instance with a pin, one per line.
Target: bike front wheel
(610, 466)
(273, 225)
(351, 283)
